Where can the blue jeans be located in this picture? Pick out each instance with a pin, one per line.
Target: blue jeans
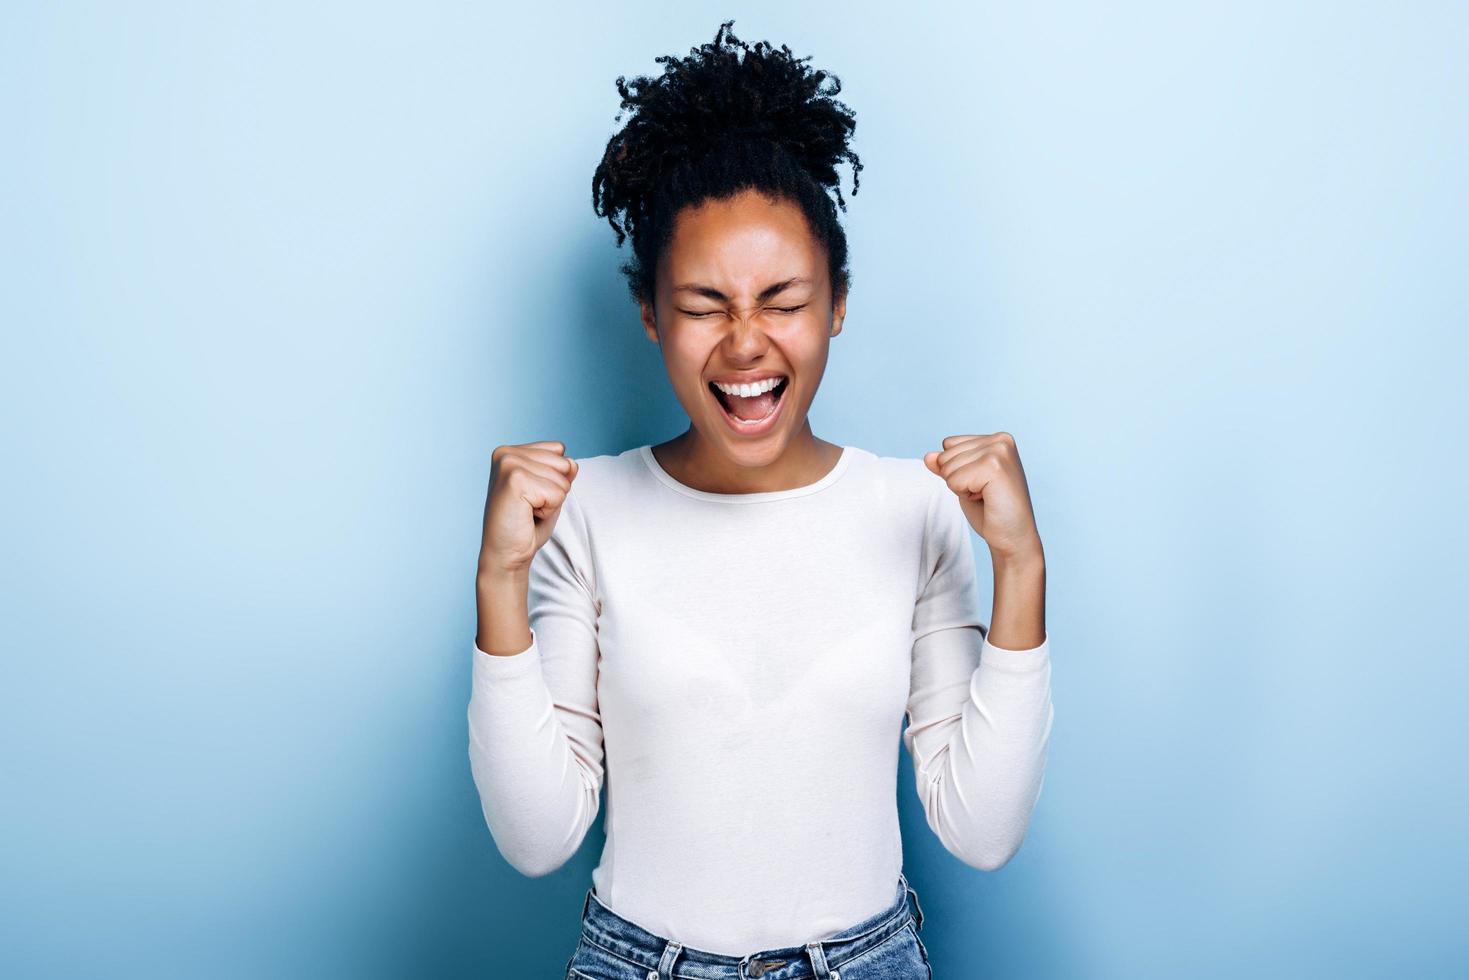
(885, 945)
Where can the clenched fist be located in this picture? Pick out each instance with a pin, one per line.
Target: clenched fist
(984, 471)
(528, 484)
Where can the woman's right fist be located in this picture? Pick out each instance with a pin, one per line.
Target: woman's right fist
(528, 484)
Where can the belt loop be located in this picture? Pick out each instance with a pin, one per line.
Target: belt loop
(818, 961)
(912, 892)
(665, 965)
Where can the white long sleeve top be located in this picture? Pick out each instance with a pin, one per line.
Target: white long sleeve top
(737, 667)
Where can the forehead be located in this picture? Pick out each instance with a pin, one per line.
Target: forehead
(747, 241)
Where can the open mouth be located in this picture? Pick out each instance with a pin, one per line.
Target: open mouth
(751, 411)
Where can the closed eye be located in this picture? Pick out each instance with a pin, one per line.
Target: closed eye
(778, 309)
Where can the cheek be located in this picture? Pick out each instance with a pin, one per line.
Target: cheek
(685, 363)
(809, 350)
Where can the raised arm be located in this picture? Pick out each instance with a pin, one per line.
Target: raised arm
(979, 716)
(535, 734)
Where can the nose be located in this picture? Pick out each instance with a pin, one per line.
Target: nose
(745, 337)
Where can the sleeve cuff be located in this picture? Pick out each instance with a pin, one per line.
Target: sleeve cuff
(488, 665)
(1015, 660)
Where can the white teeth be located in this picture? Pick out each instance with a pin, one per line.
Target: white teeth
(750, 390)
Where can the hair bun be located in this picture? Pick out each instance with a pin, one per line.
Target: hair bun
(727, 93)
(728, 115)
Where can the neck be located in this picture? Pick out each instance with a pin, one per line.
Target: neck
(695, 462)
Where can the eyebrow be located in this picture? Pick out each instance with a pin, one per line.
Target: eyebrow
(769, 291)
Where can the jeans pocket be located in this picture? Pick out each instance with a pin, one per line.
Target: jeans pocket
(898, 957)
(590, 961)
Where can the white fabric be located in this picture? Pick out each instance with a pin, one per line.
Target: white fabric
(739, 666)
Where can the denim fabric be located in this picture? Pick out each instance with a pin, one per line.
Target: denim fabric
(885, 945)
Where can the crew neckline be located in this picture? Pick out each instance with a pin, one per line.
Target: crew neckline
(761, 496)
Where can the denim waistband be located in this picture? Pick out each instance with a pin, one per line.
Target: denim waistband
(665, 959)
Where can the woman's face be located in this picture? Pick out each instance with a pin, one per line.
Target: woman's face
(743, 293)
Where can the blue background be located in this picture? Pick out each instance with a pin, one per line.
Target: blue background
(276, 280)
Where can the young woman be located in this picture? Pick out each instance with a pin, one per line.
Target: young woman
(731, 625)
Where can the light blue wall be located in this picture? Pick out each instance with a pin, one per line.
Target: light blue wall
(276, 280)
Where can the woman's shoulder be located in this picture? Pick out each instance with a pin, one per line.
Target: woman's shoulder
(905, 475)
(607, 478)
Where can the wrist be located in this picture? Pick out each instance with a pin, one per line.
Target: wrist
(497, 577)
(1028, 559)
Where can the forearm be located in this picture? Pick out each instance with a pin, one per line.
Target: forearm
(500, 603)
(538, 783)
(535, 757)
(980, 769)
(1018, 618)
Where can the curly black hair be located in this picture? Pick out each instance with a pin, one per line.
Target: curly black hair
(726, 118)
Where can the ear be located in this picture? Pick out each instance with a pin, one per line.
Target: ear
(650, 321)
(838, 313)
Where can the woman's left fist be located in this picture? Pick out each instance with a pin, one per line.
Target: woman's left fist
(986, 475)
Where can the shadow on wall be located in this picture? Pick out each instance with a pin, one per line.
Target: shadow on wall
(605, 388)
